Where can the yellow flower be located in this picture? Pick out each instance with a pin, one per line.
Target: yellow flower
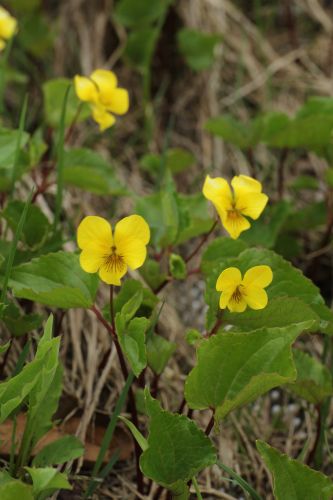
(105, 98)
(8, 26)
(246, 199)
(110, 254)
(238, 293)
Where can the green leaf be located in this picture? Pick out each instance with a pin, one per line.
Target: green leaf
(152, 274)
(54, 94)
(88, 170)
(8, 144)
(159, 351)
(233, 369)
(174, 159)
(15, 390)
(56, 280)
(244, 136)
(60, 451)
(19, 324)
(132, 341)
(314, 381)
(193, 336)
(194, 210)
(140, 47)
(48, 480)
(177, 266)
(129, 289)
(220, 249)
(280, 312)
(13, 489)
(36, 225)
(4, 347)
(265, 230)
(177, 448)
(141, 440)
(293, 480)
(133, 13)
(129, 309)
(197, 48)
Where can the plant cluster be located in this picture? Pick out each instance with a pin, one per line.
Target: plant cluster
(258, 302)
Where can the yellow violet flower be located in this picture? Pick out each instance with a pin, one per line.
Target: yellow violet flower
(110, 254)
(105, 98)
(8, 27)
(245, 199)
(238, 292)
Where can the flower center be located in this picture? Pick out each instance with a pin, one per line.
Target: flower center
(114, 262)
(238, 294)
(233, 214)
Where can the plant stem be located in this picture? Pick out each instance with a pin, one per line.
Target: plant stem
(202, 242)
(196, 487)
(131, 399)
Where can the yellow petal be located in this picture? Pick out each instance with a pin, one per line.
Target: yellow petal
(256, 297)
(230, 278)
(94, 230)
(258, 276)
(217, 191)
(246, 184)
(91, 260)
(102, 117)
(235, 223)
(105, 81)
(237, 306)
(8, 24)
(134, 227)
(117, 101)
(133, 251)
(225, 297)
(112, 276)
(251, 204)
(85, 89)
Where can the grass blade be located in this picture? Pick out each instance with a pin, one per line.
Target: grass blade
(108, 435)
(60, 160)
(13, 247)
(240, 481)
(18, 144)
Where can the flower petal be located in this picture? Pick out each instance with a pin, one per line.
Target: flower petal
(258, 276)
(85, 89)
(105, 80)
(251, 204)
(217, 191)
(230, 278)
(237, 305)
(8, 24)
(91, 260)
(133, 226)
(102, 117)
(117, 101)
(112, 276)
(225, 297)
(246, 184)
(235, 223)
(255, 297)
(92, 231)
(133, 251)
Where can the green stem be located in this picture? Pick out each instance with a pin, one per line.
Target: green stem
(18, 144)
(60, 160)
(196, 487)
